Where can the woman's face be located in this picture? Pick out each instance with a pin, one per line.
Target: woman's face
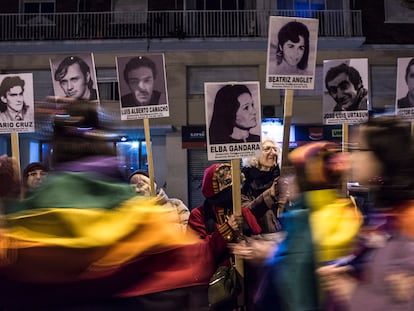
(293, 52)
(246, 114)
(268, 158)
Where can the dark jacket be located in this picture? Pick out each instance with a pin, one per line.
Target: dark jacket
(209, 219)
(291, 283)
(256, 195)
(404, 102)
(252, 138)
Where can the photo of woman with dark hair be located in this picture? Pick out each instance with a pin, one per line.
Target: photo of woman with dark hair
(292, 50)
(234, 116)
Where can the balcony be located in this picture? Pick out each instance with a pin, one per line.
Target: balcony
(166, 24)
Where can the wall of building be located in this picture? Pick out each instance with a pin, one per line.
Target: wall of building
(389, 22)
(170, 161)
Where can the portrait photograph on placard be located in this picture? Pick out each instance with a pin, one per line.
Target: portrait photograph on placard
(405, 88)
(291, 53)
(142, 86)
(74, 76)
(233, 119)
(346, 95)
(16, 103)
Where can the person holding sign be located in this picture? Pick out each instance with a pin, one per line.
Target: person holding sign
(74, 77)
(313, 239)
(260, 186)
(292, 51)
(234, 116)
(344, 85)
(408, 100)
(12, 107)
(214, 221)
(9, 179)
(140, 73)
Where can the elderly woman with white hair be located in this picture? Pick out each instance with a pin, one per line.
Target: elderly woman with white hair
(260, 186)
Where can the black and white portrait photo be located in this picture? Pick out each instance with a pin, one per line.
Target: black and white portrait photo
(142, 86)
(291, 53)
(345, 91)
(74, 77)
(405, 87)
(233, 118)
(16, 103)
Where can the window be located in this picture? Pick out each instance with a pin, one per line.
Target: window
(39, 6)
(108, 90)
(399, 11)
(215, 4)
(107, 84)
(43, 11)
(299, 5)
(133, 156)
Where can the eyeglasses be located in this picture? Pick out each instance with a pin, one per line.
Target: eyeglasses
(268, 148)
(343, 86)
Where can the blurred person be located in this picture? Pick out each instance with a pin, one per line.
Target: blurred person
(75, 79)
(214, 219)
(234, 115)
(321, 226)
(9, 179)
(140, 74)
(34, 175)
(142, 186)
(381, 276)
(292, 51)
(408, 100)
(344, 85)
(99, 245)
(13, 106)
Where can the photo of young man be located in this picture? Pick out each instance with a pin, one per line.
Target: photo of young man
(405, 83)
(344, 85)
(346, 96)
(16, 103)
(142, 83)
(75, 77)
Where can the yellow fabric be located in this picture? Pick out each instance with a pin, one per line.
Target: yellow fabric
(86, 228)
(35, 244)
(334, 222)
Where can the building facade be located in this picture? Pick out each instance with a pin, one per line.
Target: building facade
(202, 41)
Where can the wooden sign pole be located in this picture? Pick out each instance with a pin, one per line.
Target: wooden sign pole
(345, 141)
(236, 195)
(16, 156)
(149, 155)
(15, 150)
(287, 120)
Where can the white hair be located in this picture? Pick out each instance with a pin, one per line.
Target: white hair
(254, 161)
